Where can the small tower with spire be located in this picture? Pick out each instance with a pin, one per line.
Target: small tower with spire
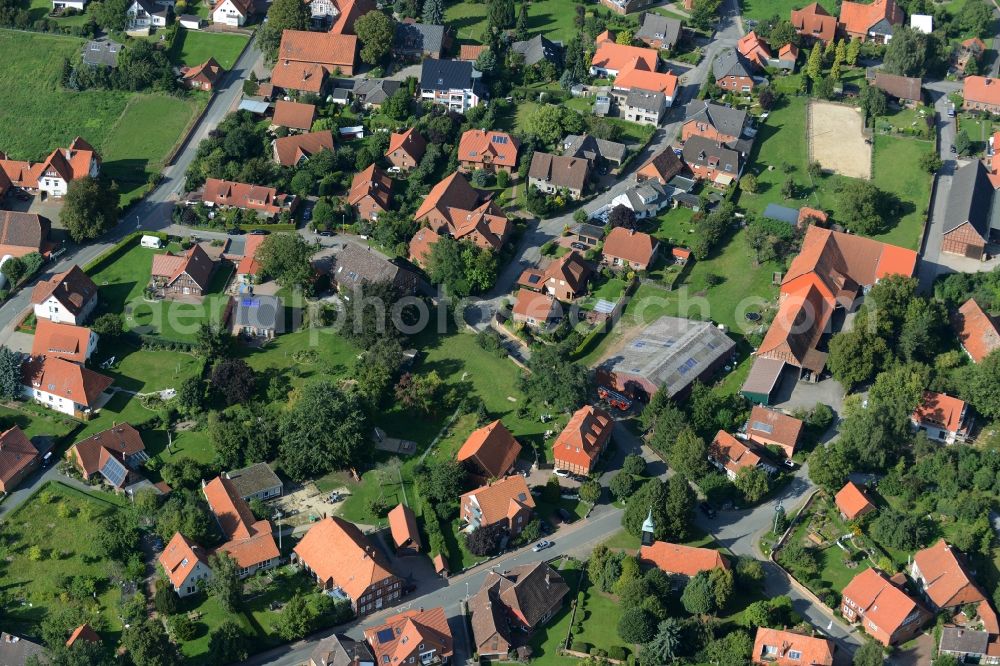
(648, 528)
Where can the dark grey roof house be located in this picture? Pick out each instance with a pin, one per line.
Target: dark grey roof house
(256, 482)
(725, 119)
(355, 266)
(728, 62)
(966, 645)
(339, 650)
(101, 53)
(15, 651)
(971, 213)
(591, 148)
(418, 39)
(647, 101)
(702, 152)
(447, 75)
(258, 316)
(659, 32)
(375, 91)
(537, 49)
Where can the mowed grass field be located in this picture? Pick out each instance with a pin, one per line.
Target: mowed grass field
(765, 9)
(132, 132)
(780, 152)
(552, 18)
(193, 48)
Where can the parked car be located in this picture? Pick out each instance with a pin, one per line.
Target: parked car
(235, 231)
(326, 233)
(789, 463)
(259, 232)
(544, 527)
(564, 516)
(579, 478)
(707, 509)
(560, 472)
(578, 246)
(542, 545)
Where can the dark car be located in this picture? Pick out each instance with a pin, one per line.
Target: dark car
(578, 246)
(564, 516)
(259, 232)
(953, 149)
(327, 234)
(707, 509)
(544, 527)
(235, 231)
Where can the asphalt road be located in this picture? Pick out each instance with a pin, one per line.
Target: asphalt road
(930, 251)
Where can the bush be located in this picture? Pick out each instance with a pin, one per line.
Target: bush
(183, 628)
(580, 646)
(618, 652)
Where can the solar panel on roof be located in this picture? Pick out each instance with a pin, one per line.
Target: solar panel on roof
(249, 302)
(763, 427)
(500, 139)
(687, 365)
(114, 472)
(385, 636)
(604, 306)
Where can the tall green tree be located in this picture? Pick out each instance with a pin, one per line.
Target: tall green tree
(869, 654)
(325, 429)
(376, 31)
(434, 12)
(666, 644)
(225, 584)
(285, 257)
(227, 643)
(554, 379)
(10, 373)
(90, 208)
(521, 29)
(282, 15)
(814, 68)
(678, 508)
(296, 618)
(906, 53)
(147, 644)
(853, 51)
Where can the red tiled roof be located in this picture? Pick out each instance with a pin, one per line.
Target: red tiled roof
(195, 263)
(121, 441)
(465, 212)
(768, 425)
(814, 21)
(858, 18)
(631, 246)
(788, 52)
(83, 633)
(23, 233)
(339, 554)
(16, 453)
(675, 558)
(409, 634)
(534, 305)
(880, 600)
(481, 147)
(940, 409)
(242, 195)
(180, 557)
(248, 541)
(65, 379)
(471, 52)
(248, 263)
(411, 142)
(492, 448)
(403, 526)
(571, 269)
(977, 331)
(944, 578)
(754, 49)
(290, 150)
(349, 11)
(812, 651)
(731, 453)
(294, 114)
(207, 72)
(636, 75)
(420, 245)
(852, 501)
(61, 340)
(323, 48)
(73, 289)
(502, 499)
(617, 57)
(371, 182)
(662, 167)
(583, 438)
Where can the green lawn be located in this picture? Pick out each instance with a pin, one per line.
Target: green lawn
(144, 370)
(552, 18)
(765, 9)
(38, 115)
(65, 531)
(781, 144)
(36, 420)
(123, 281)
(195, 47)
(143, 135)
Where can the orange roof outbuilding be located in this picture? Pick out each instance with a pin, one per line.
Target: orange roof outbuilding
(84, 632)
(583, 439)
(852, 501)
(492, 448)
(775, 647)
(403, 527)
(675, 558)
(976, 330)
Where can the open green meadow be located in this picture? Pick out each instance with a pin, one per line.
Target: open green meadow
(552, 18)
(195, 47)
(780, 152)
(132, 132)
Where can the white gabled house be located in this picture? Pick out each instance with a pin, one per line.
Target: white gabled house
(185, 564)
(233, 13)
(63, 386)
(67, 298)
(143, 14)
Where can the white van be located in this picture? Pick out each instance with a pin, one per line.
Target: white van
(153, 242)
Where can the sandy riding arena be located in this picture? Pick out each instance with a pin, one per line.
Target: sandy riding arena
(836, 140)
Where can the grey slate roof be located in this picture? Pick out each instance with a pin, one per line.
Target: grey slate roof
(956, 639)
(971, 199)
(560, 171)
(253, 479)
(662, 28)
(259, 312)
(101, 53)
(590, 148)
(588, 230)
(356, 266)
(15, 650)
(340, 650)
(782, 213)
(730, 63)
(699, 150)
(726, 119)
(645, 197)
(646, 100)
(446, 75)
(376, 91)
(537, 49)
(419, 38)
